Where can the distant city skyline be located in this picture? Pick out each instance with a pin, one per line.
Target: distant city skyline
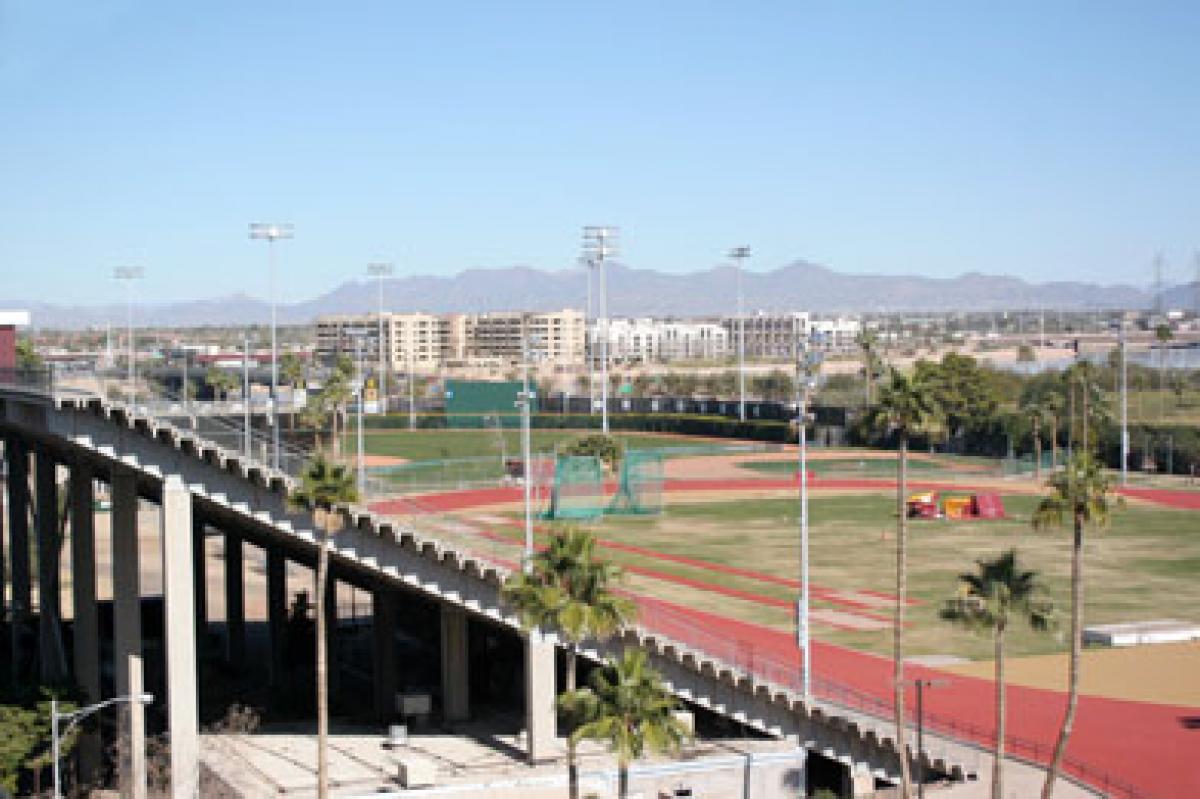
(1047, 142)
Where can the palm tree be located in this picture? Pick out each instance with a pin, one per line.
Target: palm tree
(997, 593)
(868, 341)
(567, 588)
(1081, 492)
(627, 706)
(221, 382)
(335, 395)
(292, 373)
(323, 486)
(905, 406)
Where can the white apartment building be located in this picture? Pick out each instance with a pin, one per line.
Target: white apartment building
(839, 332)
(647, 340)
(773, 336)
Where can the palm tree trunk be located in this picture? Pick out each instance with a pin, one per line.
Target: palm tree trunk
(1001, 710)
(337, 436)
(1054, 442)
(1037, 451)
(623, 780)
(1064, 734)
(898, 628)
(572, 765)
(322, 666)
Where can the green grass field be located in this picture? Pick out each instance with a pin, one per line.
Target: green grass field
(1142, 567)
(423, 445)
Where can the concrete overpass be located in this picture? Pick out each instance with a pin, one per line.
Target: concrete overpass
(202, 489)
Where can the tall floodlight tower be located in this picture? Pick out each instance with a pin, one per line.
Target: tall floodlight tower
(599, 244)
(808, 363)
(589, 340)
(739, 256)
(128, 275)
(380, 270)
(271, 232)
(1124, 405)
(530, 346)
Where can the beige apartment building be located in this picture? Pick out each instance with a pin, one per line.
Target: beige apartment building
(426, 343)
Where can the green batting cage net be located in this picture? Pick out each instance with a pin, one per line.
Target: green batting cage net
(578, 488)
(639, 490)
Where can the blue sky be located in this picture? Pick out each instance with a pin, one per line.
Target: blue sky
(1046, 140)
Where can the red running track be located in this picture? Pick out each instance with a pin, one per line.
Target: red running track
(1153, 747)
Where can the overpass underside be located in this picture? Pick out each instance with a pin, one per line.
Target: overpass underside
(437, 639)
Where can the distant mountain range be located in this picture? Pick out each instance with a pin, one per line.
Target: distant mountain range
(637, 292)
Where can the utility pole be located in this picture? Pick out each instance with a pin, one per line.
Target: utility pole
(246, 418)
(271, 233)
(525, 403)
(599, 244)
(128, 274)
(380, 270)
(739, 256)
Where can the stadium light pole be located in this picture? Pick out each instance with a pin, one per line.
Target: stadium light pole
(128, 274)
(739, 256)
(1124, 405)
(247, 419)
(599, 243)
(271, 232)
(807, 364)
(380, 270)
(525, 403)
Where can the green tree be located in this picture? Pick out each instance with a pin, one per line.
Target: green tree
(335, 396)
(906, 406)
(323, 487)
(28, 358)
(996, 594)
(1082, 494)
(291, 370)
(966, 394)
(567, 588)
(626, 706)
(868, 343)
(606, 448)
(221, 381)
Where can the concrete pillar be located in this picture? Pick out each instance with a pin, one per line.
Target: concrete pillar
(277, 611)
(235, 598)
(857, 783)
(456, 699)
(86, 628)
(383, 629)
(179, 620)
(539, 698)
(200, 577)
(331, 636)
(52, 656)
(127, 630)
(17, 456)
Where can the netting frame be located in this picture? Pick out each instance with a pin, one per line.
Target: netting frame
(640, 485)
(577, 492)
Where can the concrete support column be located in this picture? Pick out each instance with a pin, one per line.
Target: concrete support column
(539, 698)
(127, 631)
(235, 599)
(277, 611)
(17, 456)
(52, 655)
(200, 577)
(857, 783)
(383, 629)
(456, 700)
(86, 650)
(331, 636)
(179, 619)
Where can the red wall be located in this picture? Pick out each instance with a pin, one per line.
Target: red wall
(8, 347)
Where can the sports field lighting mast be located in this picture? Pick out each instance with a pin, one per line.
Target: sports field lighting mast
(271, 232)
(739, 256)
(1121, 344)
(128, 274)
(808, 363)
(380, 270)
(529, 346)
(599, 244)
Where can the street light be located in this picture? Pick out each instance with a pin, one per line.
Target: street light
(271, 233)
(73, 719)
(128, 274)
(739, 255)
(599, 243)
(380, 270)
(807, 364)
